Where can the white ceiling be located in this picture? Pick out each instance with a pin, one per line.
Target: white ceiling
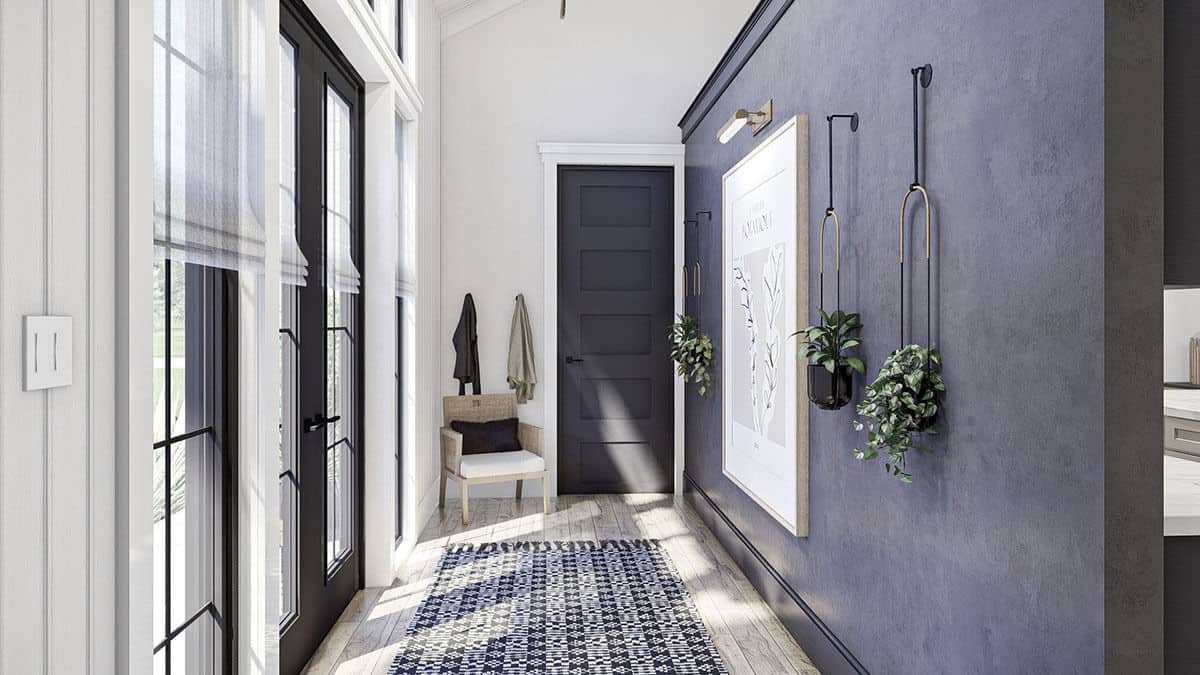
(459, 15)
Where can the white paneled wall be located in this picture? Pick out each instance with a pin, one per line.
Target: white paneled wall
(57, 234)
(429, 364)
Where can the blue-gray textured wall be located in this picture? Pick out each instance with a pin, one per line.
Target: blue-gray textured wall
(993, 559)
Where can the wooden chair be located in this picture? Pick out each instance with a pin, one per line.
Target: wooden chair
(493, 467)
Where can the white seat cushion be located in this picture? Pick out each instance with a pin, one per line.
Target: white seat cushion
(501, 464)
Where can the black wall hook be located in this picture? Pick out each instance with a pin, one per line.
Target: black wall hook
(924, 76)
(853, 117)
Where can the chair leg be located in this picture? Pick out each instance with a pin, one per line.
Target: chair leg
(520, 484)
(545, 496)
(464, 502)
(442, 492)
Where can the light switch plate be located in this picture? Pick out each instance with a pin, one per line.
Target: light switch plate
(47, 352)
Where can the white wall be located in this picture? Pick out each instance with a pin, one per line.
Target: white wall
(57, 233)
(428, 356)
(1181, 320)
(618, 71)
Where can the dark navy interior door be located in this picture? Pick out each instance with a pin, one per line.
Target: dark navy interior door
(616, 270)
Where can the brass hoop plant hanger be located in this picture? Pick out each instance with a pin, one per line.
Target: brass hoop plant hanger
(830, 212)
(922, 75)
(838, 394)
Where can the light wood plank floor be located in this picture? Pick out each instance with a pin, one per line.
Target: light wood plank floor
(749, 636)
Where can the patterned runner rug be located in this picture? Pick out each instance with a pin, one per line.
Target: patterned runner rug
(557, 607)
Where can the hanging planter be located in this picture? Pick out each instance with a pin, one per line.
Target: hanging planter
(905, 397)
(829, 344)
(692, 352)
(830, 391)
(831, 368)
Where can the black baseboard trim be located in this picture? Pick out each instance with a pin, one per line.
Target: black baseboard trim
(838, 646)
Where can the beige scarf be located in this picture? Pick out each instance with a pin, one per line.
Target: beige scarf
(522, 371)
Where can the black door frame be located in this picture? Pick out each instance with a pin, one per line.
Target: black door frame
(555, 157)
(319, 600)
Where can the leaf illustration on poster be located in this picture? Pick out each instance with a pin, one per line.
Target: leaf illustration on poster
(773, 302)
(765, 300)
(746, 300)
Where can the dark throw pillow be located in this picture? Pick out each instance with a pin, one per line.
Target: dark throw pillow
(494, 436)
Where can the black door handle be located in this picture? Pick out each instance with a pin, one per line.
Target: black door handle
(319, 422)
(574, 359)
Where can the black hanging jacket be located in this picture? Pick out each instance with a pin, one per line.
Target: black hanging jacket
(466, 346)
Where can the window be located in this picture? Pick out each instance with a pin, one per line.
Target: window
(289, 479)
(400, 7)
(294, 270)
(208, 154)
(190, 467)
(390, 16)
(197, 141)
(341, 285)
(400, 374)
(405, 287)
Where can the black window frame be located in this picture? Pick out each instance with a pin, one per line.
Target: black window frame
(212, 306)
(351, 325)
(290, 472)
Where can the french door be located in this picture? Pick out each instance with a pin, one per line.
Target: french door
(323, 546)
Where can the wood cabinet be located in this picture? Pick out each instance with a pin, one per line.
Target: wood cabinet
(1181, 437)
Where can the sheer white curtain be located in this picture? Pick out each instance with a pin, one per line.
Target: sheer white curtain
(208, 132)
(293, 264)
(406, 262)
(341, 273)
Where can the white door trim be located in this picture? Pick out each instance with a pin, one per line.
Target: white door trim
(555, 155)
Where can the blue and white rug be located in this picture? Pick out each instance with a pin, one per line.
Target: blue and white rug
(557, 607)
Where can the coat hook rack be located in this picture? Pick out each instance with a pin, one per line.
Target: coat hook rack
(923, 76)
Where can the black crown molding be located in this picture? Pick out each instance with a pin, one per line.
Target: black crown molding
(760, 24)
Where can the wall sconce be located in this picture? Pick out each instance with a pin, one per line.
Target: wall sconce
(757, 119)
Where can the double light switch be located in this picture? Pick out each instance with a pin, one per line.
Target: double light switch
(47, 352)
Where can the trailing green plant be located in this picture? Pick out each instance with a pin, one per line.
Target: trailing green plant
(830, 342)
(692, 352)
(902, 401)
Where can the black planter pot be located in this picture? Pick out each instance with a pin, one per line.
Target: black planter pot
(829, 391)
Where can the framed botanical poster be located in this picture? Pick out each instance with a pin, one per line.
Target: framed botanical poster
(765, 299)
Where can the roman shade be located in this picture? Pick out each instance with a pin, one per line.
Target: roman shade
(209, 147)
(341, 272)
(293, 266)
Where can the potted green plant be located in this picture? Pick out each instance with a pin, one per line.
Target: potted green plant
(692, 352)
(827, 346)
(903, 400)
